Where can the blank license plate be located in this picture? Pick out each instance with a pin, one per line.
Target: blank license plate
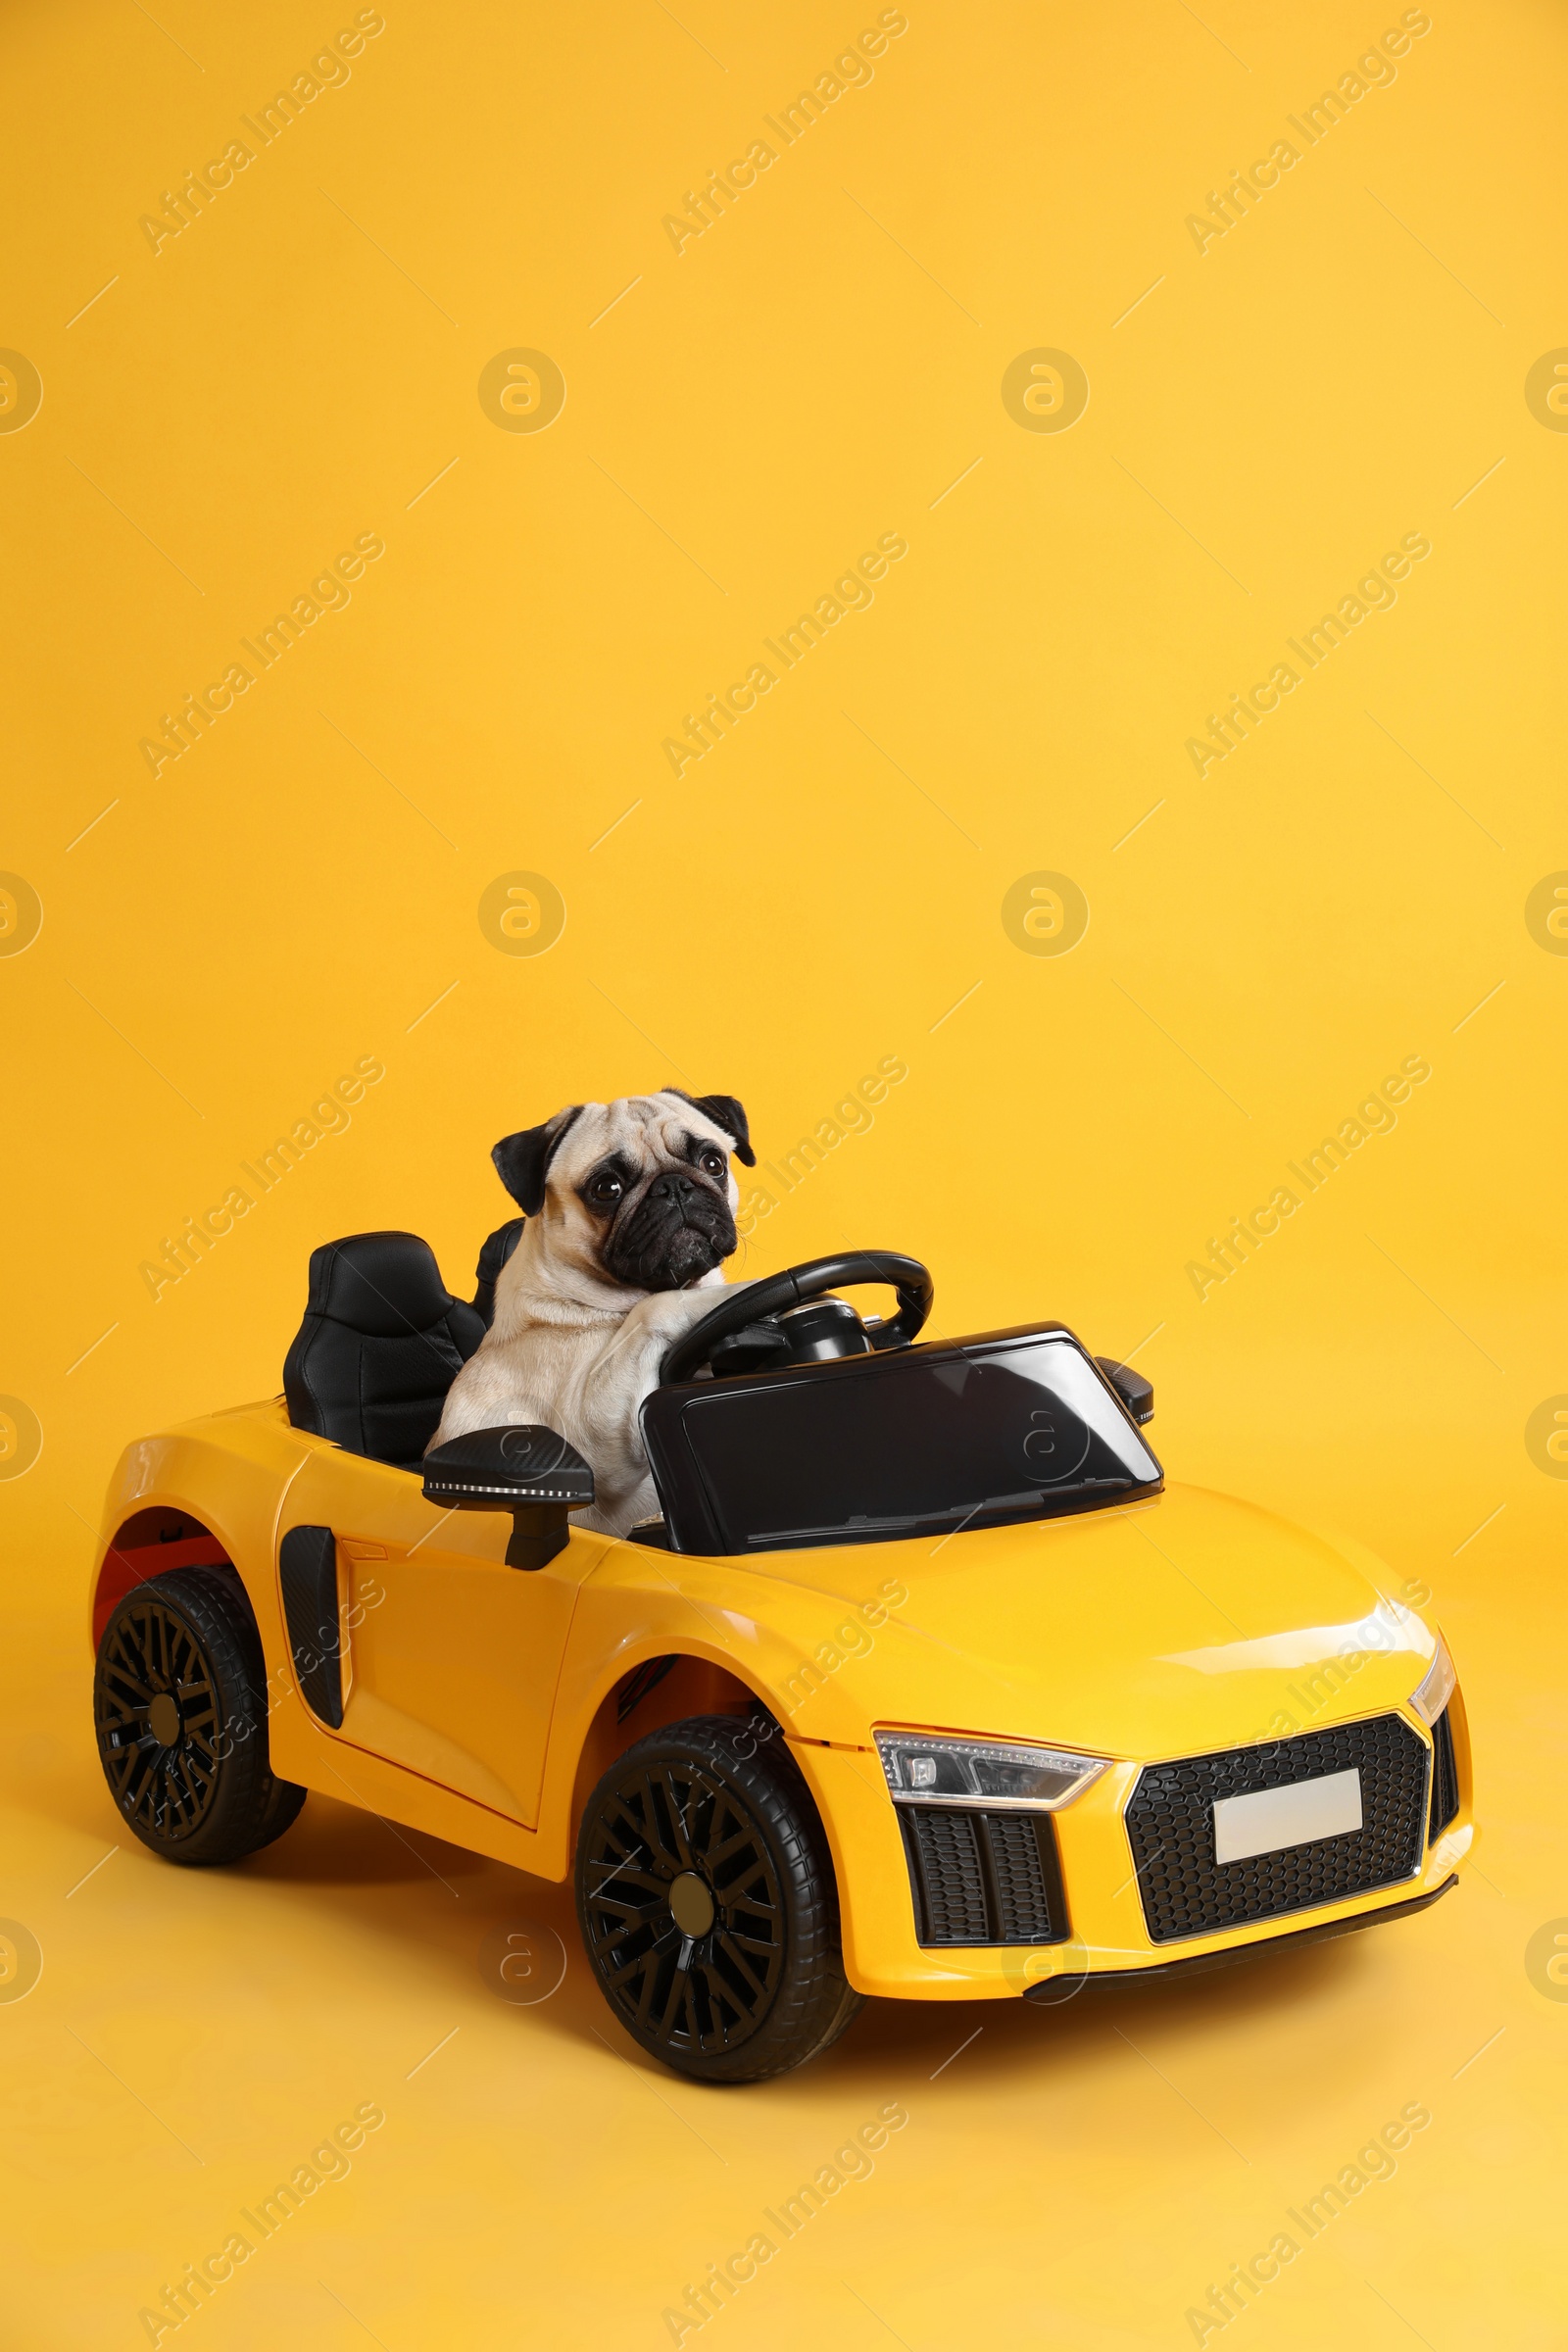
(1275, 1818)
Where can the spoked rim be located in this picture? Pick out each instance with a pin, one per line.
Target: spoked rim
(693, 1995)
(152, 1671)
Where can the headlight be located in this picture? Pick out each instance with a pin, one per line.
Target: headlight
(1434, 1690)
(968, 1772)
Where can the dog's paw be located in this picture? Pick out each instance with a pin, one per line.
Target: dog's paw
(669, 1314)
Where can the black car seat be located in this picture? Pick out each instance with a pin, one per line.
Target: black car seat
(382, 1341)
(492, 1257)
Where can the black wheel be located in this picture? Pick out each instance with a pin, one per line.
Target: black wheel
(708, 1903)
(180, 1700)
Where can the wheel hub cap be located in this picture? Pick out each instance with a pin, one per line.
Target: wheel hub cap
(163, 1720)
(691, 1904)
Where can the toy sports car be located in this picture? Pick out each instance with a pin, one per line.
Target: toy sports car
(924, 1685)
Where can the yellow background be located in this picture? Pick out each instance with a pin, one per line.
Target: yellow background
(300, 366)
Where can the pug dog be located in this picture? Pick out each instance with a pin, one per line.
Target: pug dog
(630, 1209)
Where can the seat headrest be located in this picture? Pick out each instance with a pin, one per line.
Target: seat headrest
(386, 1284)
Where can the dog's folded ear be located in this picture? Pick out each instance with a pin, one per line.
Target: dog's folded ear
(523, 1160)
(725, 1112)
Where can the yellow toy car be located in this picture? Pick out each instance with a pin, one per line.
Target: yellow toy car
(925, 1685)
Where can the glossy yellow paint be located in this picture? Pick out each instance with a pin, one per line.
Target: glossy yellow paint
(452, 1657)
(478, 1699)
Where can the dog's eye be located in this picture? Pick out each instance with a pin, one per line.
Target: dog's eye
(606, 1188)
(711, 1163)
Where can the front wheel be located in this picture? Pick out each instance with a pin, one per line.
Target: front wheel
(180, 1700)
(707, 1904)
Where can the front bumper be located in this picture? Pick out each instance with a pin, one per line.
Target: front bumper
(1054, 1989)
(1106, 1931)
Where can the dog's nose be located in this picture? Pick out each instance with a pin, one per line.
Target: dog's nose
(672, 1187)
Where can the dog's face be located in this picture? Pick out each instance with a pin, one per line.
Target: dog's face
(639, 1190)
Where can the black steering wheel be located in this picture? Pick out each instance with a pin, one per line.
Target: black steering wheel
(754, 1301)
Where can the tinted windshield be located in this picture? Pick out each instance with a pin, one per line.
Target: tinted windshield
(994, 1430)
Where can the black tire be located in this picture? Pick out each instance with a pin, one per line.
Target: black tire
(199, 1789)
(727, 1822)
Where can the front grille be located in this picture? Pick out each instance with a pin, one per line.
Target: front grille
(983, 1877)
(1170, 1828)
(1445, 1777)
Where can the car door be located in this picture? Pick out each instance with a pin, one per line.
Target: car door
(446, 1660)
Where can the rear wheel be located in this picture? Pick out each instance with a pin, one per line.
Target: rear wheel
(709, 1907)
(179, 1701)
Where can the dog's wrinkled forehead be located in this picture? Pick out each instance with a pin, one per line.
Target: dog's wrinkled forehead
(650, 1130)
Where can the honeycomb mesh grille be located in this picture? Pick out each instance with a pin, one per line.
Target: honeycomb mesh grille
(945, 1859)
(983, 1877)
(1023, 1907)
(1170, 1828)
(1445, 1777)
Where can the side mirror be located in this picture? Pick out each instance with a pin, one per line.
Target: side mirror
(1135, 1392)
(522, 1468)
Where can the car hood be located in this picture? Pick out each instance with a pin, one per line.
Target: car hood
(1190, 1622)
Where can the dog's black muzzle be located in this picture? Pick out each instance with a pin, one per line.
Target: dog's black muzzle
(678, 1231)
